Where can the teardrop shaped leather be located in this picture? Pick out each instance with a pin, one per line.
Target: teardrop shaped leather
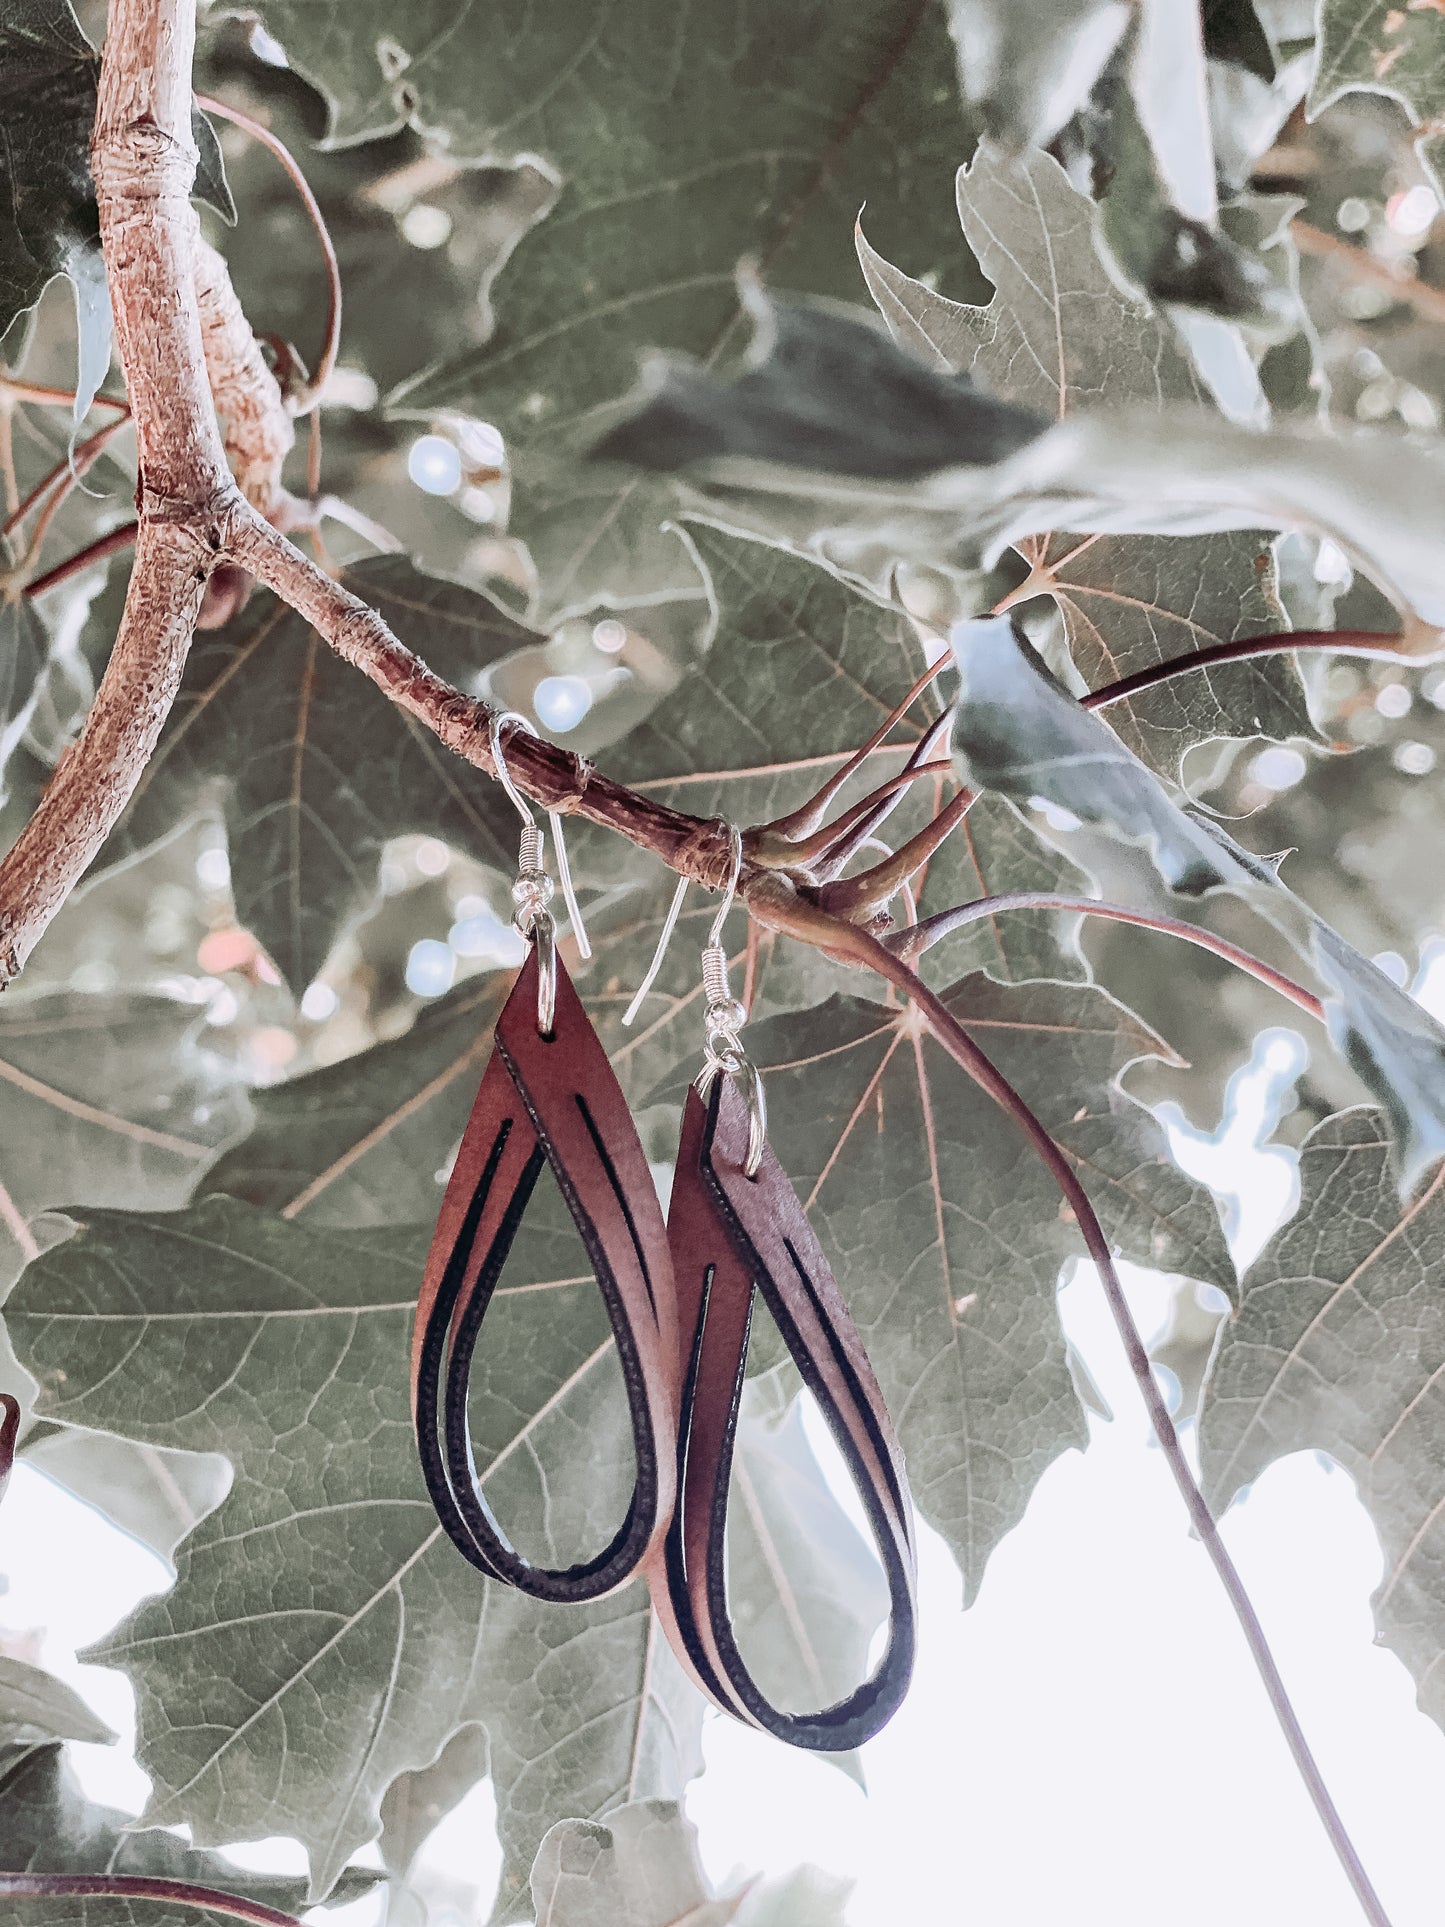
(731, 1235)
(548, 1099)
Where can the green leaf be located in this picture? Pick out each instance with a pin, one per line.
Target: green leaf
(107, 1099)
(1170, 470)
(363, 1141)
(945, 1232)
(416, 1803)
(1339, 1345)
(640, 1870)
(1168, 255)
(799, 670)
(1366, 45)
(314, 768)
(323, 1636)
(212, 189)
(808, 1592)
(1021, 734)
(1061, 338)
(48, 1826)
(797, 401)
(157, 1497)
(1374, 46)
(48, 75)
(24, 645)
(683, 142)
(1028, 65)
(1232, 32)
(35, 1706)
(1393, 1044)
(993, 851)
(1291, 370)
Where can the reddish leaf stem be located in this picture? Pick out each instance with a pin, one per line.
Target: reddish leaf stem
(306, 401)
(809, 816)
(61, 479)
(961, 1047)
(96, 551)
(117, 1886)
(919, 937)
(861, 896)
(1344, 642)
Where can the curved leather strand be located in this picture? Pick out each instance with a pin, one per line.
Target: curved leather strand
(731, 1234)
(553, 1100)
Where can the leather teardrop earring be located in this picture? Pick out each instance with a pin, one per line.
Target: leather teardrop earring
(547, 1096)
(736, 1225)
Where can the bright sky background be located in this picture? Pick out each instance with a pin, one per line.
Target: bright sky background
(1089, 1744)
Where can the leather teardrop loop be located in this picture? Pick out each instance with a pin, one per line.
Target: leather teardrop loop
(731, 1234)
(548, 1100)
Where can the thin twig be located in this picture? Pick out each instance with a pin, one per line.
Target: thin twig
(61, 479)
(558, 779)
(807, 818)
(1360, 265)
(7, 454)
(119, 1886)
(919, 937)
(96, 551)
(822, 843)
(1342, 642)
(46, 396)
(305, 400)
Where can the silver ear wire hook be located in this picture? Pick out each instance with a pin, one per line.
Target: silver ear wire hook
(725, 1017)
(735, 840)
(532, 891)
(669, 923)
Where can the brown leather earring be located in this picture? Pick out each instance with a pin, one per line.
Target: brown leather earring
(736, 1226)
(548, 1095)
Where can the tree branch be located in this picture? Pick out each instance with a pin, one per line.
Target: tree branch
(144, 162)
(558, 779)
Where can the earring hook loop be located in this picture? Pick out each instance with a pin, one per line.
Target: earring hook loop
(725, 1017)
(735, 838)
(674, 911)
(532, 891)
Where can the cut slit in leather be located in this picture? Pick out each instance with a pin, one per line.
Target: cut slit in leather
(730, 1233)
(548, 1100)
